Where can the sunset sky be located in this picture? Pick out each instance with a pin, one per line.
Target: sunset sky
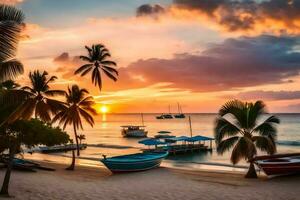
(199, 53)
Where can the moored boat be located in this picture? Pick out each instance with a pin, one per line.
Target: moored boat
(61, 148)
(134, 162)
(280, 164)
(134, 131)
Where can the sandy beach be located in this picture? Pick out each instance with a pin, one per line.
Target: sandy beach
(160, 184)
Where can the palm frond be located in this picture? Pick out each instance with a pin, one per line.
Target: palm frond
(265, 144)
(227, 144)
(86, 116)
(10, 69)
(43, 111)
(109, 74)
(11, 21)
(55, 93)
(255, 111)
(267, 128)
(244, 148)
(111, 69)
(108, 62)
(224, 128)
(84, 68)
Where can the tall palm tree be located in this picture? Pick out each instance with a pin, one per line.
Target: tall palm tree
(238, 127)
(97, 62)
(11, 23)
(78, 106)
(36, 99)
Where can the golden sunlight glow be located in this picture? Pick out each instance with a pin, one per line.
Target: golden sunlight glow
(103, 109)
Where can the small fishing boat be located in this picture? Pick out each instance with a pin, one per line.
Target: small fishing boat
(134, 131)
(280, 164)
(134, 162)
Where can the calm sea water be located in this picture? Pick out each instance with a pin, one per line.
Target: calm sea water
(105, 137)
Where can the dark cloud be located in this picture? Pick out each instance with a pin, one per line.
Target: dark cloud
(280, 16)
(62, 57)
(235, 63)
(244, 15)
(268, 95)
(147, 9)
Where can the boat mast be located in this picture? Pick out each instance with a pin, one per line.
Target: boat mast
(190, 122)
(142, 115)
(169, 109)
(178, 107)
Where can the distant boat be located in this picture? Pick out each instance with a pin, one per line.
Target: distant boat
(280, 164)
(180, 115)
(134, 162)
(165, 116)
(163, 135)
(134, 131)
(159, 116)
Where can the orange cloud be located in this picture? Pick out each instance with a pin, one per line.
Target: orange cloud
(11, 2)
(239, 17)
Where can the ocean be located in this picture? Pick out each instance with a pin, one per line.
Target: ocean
(105, 138)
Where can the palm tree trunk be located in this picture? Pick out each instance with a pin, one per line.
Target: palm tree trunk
(4, 189)
(76, 139)
(251, 172)
(72, 166)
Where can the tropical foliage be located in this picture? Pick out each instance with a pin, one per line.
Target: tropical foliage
(78, 106)
(240, 126)
(11, 23)
(26, 133)
(36, 99)
(97, 62)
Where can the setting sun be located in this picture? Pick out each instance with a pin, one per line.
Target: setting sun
(103, 109)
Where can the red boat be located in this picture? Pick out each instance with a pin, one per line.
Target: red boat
(280, 164)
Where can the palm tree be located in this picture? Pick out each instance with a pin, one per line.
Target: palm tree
(78, 106)
(36, 99)
(97, 62)
(81, 137)
(11, 23)
(237, 127)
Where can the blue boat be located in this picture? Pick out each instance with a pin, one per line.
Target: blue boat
(134, 162)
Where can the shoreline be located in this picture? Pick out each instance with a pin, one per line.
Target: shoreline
(90, 182)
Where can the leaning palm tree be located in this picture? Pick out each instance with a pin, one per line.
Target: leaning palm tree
(36, 99)
(97, 62)
(78, 106)
(238, 127)
(11, 23)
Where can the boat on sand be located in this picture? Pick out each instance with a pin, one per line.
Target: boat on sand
(280, 164)
(134, 162)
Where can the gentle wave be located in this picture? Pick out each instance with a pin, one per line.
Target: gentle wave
(288, 143)
(111, 146)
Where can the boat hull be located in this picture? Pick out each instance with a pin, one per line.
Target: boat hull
(135, 133)
(283, 164)
(119, 166)
(281, 169)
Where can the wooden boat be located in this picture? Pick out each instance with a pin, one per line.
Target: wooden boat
(159, 116)
(280, 164)
(134, 162)
(134, 131)
(61, 148)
